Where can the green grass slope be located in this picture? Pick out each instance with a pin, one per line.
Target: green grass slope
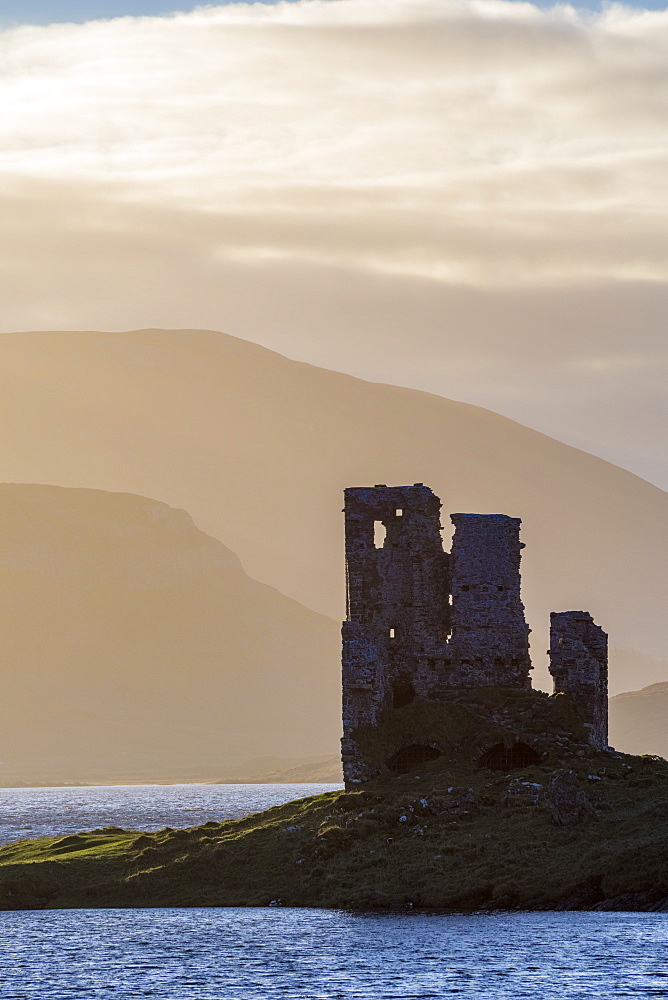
(453, 836)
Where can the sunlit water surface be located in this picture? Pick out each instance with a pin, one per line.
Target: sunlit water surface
(38, 812)
(262, 954)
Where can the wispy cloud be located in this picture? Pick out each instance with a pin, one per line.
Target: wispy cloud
(445, 153)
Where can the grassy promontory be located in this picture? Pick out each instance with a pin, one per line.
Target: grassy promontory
(579, 829)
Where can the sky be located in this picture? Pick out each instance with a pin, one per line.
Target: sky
(50, 11)
(462, 196)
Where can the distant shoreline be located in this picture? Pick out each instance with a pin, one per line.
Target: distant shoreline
(162, 784)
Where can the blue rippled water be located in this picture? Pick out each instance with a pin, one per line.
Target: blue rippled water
(237, 954)
(263, 954)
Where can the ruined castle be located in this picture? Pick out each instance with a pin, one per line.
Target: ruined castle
(421, 622)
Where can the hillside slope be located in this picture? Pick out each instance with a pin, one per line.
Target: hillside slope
(638, 720)
(135, 647)
(258, 449)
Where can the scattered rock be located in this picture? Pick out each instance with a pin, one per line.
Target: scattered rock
(457, 801)
(523, 793)
(566, 800)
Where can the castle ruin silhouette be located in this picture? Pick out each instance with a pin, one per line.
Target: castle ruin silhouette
(422, 622)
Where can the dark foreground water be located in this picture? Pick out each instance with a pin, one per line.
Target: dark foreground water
(262, 954)
(237, 954)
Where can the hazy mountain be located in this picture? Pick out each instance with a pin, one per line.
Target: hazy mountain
(258, 449)
(639, 668)
(281, 770)
(638, 720)
(134, 647)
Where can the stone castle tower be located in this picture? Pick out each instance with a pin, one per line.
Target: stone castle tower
(579, 666)
(422, 621)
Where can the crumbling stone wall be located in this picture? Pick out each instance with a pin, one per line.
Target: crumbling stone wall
(489, 643)
(405, 639)
(396, 590)
(579, 667)
(422, 622)
(397, 604)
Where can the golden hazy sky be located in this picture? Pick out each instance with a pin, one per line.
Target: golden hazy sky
(465, 197)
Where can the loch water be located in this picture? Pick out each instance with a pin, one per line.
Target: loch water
(272, 953)
(267, 953)
(26, 813)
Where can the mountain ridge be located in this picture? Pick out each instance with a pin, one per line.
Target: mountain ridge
(258, 447)
(264, 350)
(136, 648)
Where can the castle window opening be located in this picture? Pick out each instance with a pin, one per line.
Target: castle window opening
(423, 622)
(403, 693)
(412, 758)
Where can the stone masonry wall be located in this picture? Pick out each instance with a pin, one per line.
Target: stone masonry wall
(397, 603)
(401, 585)
(490, 637)
(364, 684)
(579, 667)
(404, 639)
(421, 621)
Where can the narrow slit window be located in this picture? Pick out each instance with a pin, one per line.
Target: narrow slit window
(379, 533)
(393, 633)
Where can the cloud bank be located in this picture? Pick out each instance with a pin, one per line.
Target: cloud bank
(468, 197)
